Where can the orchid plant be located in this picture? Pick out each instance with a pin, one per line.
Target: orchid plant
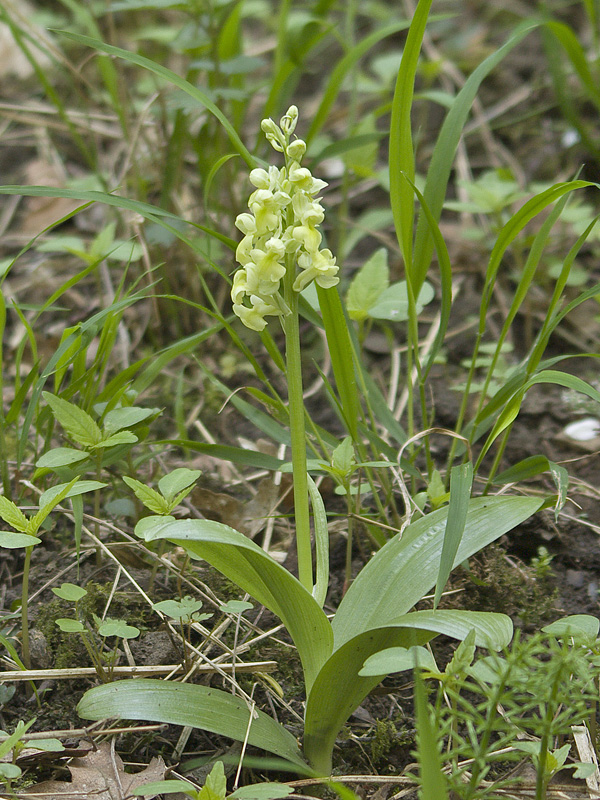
(280, 255)
(281, 246)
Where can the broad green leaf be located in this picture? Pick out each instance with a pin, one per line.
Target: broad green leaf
(176, 481)
(49, 745)
(235, 607)
(189, 705)
(149, 497)
(61, 457)
(119, 418)
(398, 659)
(584, 769)
(69, 591)
(77, 423)
(574, 626)
(339, 689)
(406, 568)
(461, 481)
(255, 572)
(527, 468)
(371, 280)
(70, 625)
(14, 541)
(13, 515)
(10, 771)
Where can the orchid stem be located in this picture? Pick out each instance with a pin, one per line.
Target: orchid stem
(297, 428)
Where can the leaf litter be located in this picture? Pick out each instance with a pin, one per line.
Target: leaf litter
(99, 774)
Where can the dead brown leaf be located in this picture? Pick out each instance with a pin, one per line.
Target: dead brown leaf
(99, 775)
(41, 212)
(247, 517)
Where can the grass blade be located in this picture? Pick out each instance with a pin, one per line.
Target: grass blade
(173, 78)
(461, 481)
(401, 157)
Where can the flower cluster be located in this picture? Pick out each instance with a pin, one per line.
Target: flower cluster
(280, 232)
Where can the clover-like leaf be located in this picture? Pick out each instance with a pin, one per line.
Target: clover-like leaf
(70, 592)
(118, 627)
(179, 609)
(70, 625)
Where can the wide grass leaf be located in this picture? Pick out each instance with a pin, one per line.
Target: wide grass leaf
(189, 705)
(255, 572)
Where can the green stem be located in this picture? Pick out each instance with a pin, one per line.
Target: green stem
(24, 609)
(297, 428)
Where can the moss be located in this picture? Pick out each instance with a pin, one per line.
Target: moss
(507, 585)
(66, 650)
(385, 738)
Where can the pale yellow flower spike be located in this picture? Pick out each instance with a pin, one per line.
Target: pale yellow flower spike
(284, 219)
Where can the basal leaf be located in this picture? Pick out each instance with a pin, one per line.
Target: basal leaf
(406, 568)
(189, 705)
(255, 572)
(339, 688)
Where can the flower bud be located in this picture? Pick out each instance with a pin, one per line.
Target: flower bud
(296, 150)
(288, 122)
(273, 134)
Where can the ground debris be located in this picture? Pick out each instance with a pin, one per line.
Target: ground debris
(100, 774)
